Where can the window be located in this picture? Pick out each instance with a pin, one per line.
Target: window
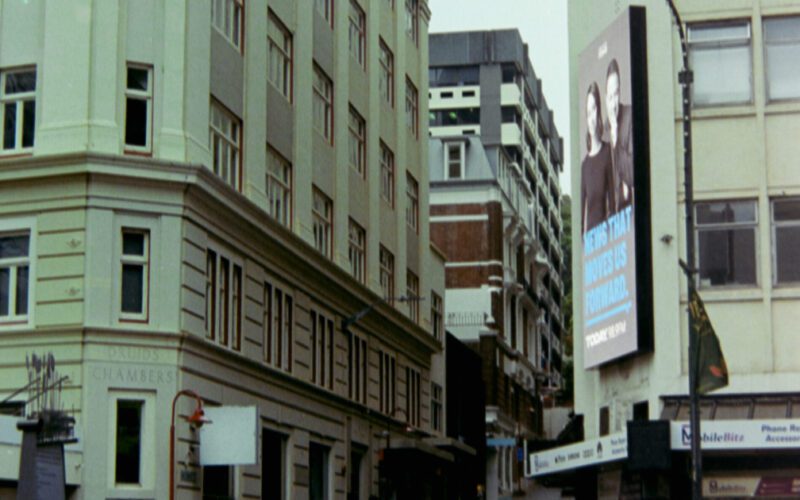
(225, 133)
(218, 482)
(322, 215)
(387, 174)
(280, 55)
(323, 104)
(18, 106)
(279, 188)
(274, 470)
(459, 116)
(412, 108)
(782, 46)
(726, 238)
(278, 321)
(135, 273)
(387, 273)
(436, 407)
(412, 397)
(138, 108)
(454, 76)
(357, 372)
(128, 449)
(223, 299)
(358, 32)
(412, 203)
(386, 74)
(358, 480)
(14, 277)
(437, 316)
(412, 20)
(325, 9)
(786, 240)
(227, 18)
(605, 423)
(322, 350)
(318, 474)
(454, 160)
(358, 142)
(386, 378)
(357, 251)
(412, 295)
(720, 60)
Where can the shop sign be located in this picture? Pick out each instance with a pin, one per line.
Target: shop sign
(738, 434)
(751, 486)
(589, 452)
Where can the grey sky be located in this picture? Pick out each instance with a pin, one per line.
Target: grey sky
(543, 26)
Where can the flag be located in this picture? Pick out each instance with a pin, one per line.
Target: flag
(712, 372)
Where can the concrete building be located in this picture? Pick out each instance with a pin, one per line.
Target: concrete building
(495, 156)
(203, 195)
(746, 196)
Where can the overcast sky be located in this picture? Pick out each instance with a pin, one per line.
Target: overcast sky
(543, 26)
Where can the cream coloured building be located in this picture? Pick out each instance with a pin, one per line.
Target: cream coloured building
(196, 195)
(746, 189)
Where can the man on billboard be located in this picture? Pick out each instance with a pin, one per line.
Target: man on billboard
(620, 138)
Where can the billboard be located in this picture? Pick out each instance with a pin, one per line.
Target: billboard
(614, 196)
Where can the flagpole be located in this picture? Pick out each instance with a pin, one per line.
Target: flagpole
(685, 79)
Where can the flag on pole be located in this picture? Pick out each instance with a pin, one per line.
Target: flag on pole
(712, 372)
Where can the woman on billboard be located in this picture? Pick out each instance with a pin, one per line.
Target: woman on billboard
(597, 180)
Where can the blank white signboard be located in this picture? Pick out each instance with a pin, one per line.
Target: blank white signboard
(232, 436)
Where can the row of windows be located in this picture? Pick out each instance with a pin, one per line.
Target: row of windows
(721, 58)
(727, 236)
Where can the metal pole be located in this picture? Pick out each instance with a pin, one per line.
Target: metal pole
(685, 79)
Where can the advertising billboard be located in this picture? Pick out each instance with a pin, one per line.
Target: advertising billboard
(614, 197)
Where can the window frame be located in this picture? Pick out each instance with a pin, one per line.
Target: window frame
(412, 20)
(322, 222)
(18, 228)
(722, 43)
(234, 11)
(357, 24)
(412, 107)
(144, 261)
(437, 316)
(284, 52)
(358, 368)
(412, 203)
(19, 100)
(387, 174)
(766, 21)
(278, 316)
(412, 295)
(386, 269)
(323, 348)
(701, 227)
(140, 95)
(775, 226)
(226, 304)
(322, 93)
(147, 445)
(437, 406)
(357, 251)
(386, 73)
(387, 382)
(325, 9)
(232, 142)
(413, 397)
(274, 183)
(449, 161)
(357, 146)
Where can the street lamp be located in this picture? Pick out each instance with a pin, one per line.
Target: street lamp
(196, 419)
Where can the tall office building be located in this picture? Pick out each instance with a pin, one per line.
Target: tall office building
(745, 114)
(204, 195)
(495, 156)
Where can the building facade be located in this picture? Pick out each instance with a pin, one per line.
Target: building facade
(744, 112)
(495, 156)
(206, 201)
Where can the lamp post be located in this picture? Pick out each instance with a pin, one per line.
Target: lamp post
(685, 77)
(196, 419)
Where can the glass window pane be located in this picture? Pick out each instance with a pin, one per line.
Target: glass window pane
(721, 75)
(787, 210)
(10, 125)
(787, 241)
(783, 72)
(783, 29)
(129, 442)
(22, 291)
(132, 288)
(17, 83)
(28, 123)
(4, 291)
(13, 246)
(718, 33)
(138, 78)
(136, 122)
(726, 211)
(727, 257)
(133, 243)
